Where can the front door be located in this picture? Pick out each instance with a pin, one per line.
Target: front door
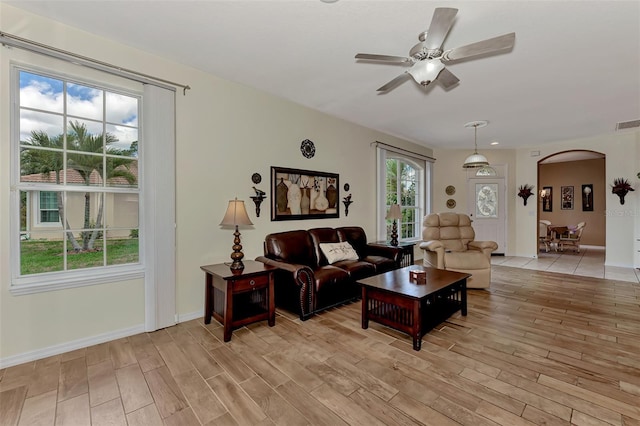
(487, 210)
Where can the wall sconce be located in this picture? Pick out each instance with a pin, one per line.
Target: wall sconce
(347, 202)
(395, 214)
(236, 215)
(258, 198)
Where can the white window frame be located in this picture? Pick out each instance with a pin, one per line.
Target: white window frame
(423, 166)
(51, 281)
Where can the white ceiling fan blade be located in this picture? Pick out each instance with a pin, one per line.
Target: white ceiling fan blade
(502, 42)
(385, 58)
(440, 26)
(425, 72)
(394, 83)
(447, 78)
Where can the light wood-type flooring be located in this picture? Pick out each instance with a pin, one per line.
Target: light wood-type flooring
(537, 348)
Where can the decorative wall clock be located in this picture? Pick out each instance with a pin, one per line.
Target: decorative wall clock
(450, 190)
(307, 148)
(451, 203)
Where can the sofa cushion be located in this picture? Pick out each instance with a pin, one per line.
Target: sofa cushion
(322, 235)
(335, 252)
(291, 247)
(357, 269)
(381, 263)
(329, 275)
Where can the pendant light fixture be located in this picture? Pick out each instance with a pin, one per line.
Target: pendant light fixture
(475, 160)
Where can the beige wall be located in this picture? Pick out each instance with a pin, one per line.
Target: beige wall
(576, 174)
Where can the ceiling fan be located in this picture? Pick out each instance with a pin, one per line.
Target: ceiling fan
(427, 58)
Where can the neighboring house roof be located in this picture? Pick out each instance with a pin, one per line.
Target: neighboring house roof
(75, 178)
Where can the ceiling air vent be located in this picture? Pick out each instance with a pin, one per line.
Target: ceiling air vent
(623, 125)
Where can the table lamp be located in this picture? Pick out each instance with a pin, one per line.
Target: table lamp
(394, 213)
(236, 215)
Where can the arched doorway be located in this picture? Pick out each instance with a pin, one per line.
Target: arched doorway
(572, 189)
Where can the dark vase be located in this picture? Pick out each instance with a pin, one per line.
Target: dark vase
(281, 196)
(621, 194)
(332, 196)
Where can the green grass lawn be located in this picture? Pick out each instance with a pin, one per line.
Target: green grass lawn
(47, 256)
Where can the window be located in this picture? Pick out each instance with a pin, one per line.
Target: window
(76, 147)
(49, 212)
(403, 180)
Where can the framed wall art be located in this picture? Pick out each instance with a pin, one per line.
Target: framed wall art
(566, 197)
(304, 194)
(587, 197)
(547, 198)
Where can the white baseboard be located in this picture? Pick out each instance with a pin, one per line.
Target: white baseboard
(85, 342)
(69, 346)
(190, 316)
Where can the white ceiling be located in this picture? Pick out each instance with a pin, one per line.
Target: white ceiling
(574, 70)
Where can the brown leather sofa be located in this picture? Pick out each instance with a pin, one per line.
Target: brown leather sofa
(306, 282)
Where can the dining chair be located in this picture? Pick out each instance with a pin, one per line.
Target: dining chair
(572, 238)
(544, 234)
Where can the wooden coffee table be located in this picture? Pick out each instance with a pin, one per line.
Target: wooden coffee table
(393, 300)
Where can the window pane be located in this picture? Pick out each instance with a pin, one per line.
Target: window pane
(41, 128)
(122, 172)
(24, 209)
(123, 141)
(85, 136)
(84, 101)
(124, 214)
(42, 255)
(41, 166)
(121, 109)
(90, 258)
(84, 169)
(40, 92)
(123, 250)
(84, 210)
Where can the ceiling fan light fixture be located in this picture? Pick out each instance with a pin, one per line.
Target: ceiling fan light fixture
(475, 160)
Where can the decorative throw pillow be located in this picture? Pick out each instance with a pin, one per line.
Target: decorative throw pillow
(338, 251)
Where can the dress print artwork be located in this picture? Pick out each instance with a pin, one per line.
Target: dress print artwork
(303, 194)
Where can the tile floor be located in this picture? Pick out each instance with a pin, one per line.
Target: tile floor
(589, 263)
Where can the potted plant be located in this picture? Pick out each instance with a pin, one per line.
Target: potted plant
(621, 188)
(525, 191)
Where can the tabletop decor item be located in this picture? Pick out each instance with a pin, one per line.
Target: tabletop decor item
(621, 188)
(394, 214)
(236, 215)
(525, 191)
(418, 276)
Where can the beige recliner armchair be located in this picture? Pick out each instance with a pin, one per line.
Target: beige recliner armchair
(449, 244)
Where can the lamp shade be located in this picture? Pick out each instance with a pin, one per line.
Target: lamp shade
(394, 212)
(236, 214)
(475, 160)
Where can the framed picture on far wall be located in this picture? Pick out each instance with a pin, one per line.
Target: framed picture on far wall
(547, 198)
(566, 197)
(587, 198)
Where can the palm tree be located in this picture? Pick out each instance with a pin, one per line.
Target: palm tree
(82, 147)
(80, 140)
(44, 161)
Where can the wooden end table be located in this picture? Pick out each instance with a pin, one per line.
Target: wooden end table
(394, 300)
(407, 250)
(241, 298)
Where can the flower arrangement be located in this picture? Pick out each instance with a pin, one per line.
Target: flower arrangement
(621, 188)
(525, 191)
